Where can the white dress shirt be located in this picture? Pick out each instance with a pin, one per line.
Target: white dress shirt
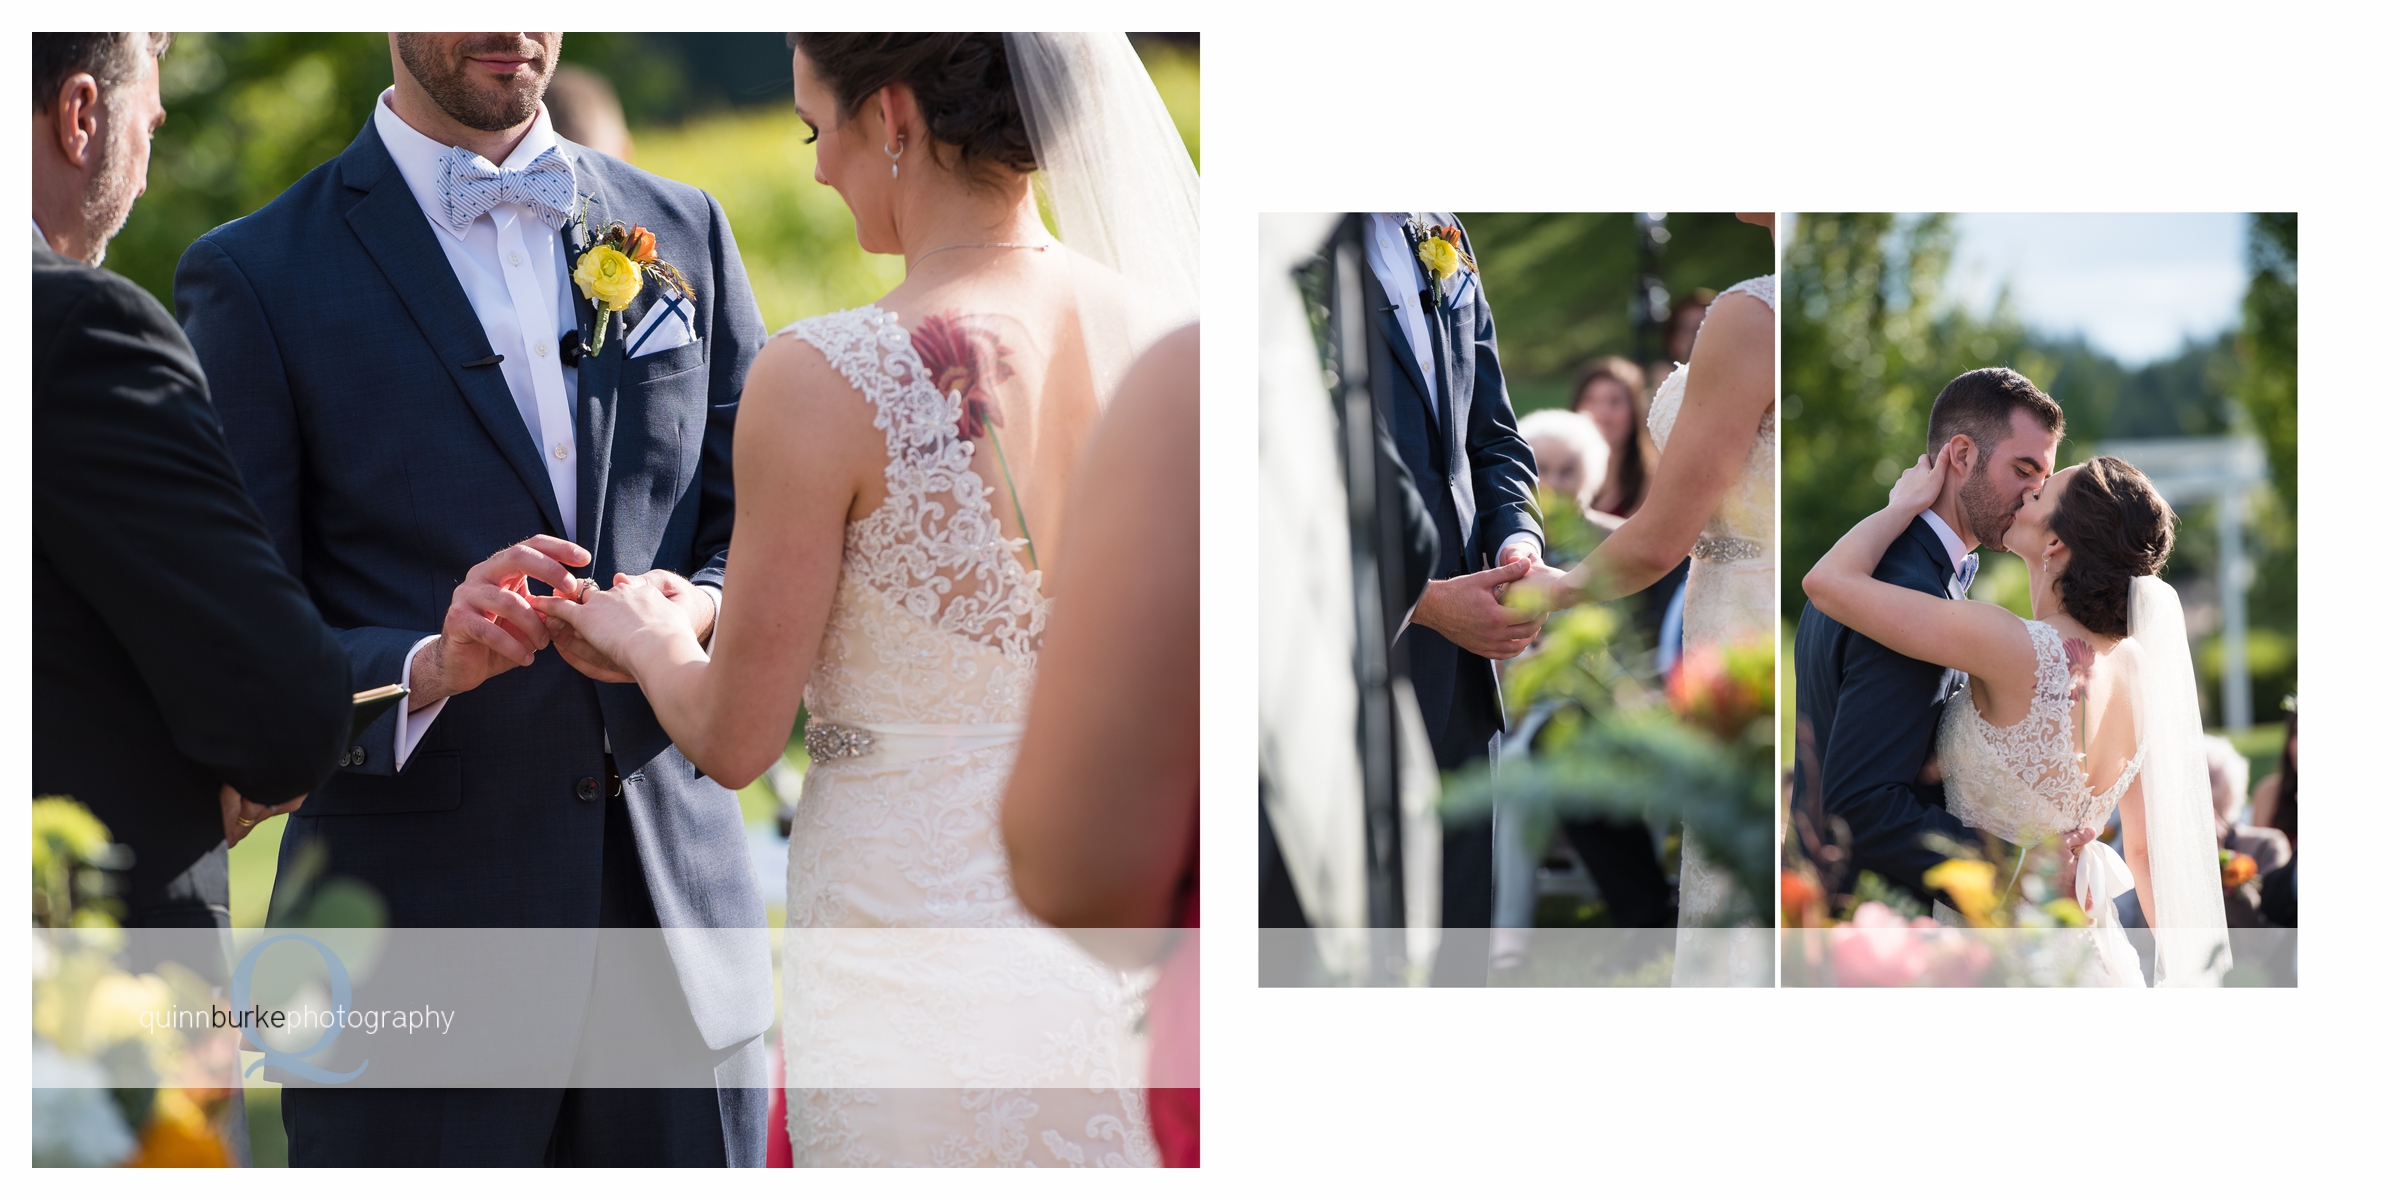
(513, 267)
(1395, 268)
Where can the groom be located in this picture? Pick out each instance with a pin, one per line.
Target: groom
(1457, 434)
(1872, 712)
(396, 348)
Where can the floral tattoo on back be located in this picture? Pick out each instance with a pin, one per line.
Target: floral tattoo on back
(965, 361)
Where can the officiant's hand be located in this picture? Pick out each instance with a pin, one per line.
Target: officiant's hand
(491, 624)
(241, 816)
(1467, 610)
(695, 601)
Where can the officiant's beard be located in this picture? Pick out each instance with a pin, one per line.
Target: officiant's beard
(1986, 508)
(476, 107)
(108, 198)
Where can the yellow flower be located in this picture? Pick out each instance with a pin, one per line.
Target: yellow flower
(1439, 257)
(608, 278)
(1969, 883)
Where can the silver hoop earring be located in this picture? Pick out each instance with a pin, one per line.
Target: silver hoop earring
(894, 155)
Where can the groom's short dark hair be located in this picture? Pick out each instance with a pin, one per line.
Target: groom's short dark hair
(1979, 404)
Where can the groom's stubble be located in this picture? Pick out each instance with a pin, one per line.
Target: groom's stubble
(489, 106)
(1985, 507)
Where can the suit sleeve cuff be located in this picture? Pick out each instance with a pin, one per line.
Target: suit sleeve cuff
(716, 596)
(410, 728)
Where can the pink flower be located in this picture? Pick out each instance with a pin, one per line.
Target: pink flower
(1879, 949)
(2079, 665)
(964, 361)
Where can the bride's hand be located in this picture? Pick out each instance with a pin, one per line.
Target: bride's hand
(606, 628)
(1921, 485)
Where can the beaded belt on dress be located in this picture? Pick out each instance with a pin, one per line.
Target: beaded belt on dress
(1725, 548)
(878, 742)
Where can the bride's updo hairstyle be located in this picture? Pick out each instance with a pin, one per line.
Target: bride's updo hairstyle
(961, 82)
(2115, 527)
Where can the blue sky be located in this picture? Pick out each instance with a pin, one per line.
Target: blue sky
(2134, 284)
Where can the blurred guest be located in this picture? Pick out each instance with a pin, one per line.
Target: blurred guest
(1682, 330)
(2276, 803)
(584, 110)
(1569, 458)
(1613, 395)
(1102, 815)
(2229, 780)
(177, 665)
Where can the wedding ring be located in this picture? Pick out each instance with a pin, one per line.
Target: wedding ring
(246, 822)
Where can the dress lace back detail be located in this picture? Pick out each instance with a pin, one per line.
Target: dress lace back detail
(933, 553)
(2024, 782)
(929, 1019)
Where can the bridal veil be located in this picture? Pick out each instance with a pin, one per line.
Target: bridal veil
(1120, 185)
(2186, 885)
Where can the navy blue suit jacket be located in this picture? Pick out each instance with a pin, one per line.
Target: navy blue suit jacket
(1873, 713)
(1475, 475)
(335, 335)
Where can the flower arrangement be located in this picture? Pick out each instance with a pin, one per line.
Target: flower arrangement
(1443, 250)
(109, 1088)
(1695, 755)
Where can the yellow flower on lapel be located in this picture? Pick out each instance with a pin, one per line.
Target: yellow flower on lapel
(1439, 256)
(608, 278)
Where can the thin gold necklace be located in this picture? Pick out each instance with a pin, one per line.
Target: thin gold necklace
(1034, 246)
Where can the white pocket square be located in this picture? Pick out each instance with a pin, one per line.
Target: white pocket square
(667, 325)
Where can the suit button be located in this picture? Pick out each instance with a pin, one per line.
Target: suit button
(358, 756)
(587, 789)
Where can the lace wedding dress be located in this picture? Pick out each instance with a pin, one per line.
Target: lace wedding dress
(1728, 598)
(2026, 783)
(929, 1019)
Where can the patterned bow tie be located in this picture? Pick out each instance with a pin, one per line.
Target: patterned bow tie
(470, 189)
(1966, 570)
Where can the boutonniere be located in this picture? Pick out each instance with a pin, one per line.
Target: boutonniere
(613, 270)
(1441, 248)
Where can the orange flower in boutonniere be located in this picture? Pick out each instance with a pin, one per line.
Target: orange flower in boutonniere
(612, 272)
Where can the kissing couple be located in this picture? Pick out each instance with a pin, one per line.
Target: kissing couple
(1933, 715)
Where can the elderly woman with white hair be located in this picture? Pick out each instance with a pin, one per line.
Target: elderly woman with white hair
(1571, 458)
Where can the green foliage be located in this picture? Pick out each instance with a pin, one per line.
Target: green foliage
(1610, 747)
(70, 850)
(1563, 286)
(797, 240)
(2268, 384)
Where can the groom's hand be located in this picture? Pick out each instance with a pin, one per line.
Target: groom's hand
(1467, 610)
(695, 601)
(491, 624)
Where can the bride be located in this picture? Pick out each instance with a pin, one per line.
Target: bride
(901, 472)
(1713, 500)
(2088, 706)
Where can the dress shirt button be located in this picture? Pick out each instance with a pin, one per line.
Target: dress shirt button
(541, 350)
(515, 261)
(587, 789)
(559, 452)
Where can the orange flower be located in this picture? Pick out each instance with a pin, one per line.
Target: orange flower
(2239, 868)
(641, 245)
(1800, 899)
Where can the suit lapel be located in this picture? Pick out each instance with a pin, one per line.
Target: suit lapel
(389, 222)
(596, 387)
(1395, 337)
